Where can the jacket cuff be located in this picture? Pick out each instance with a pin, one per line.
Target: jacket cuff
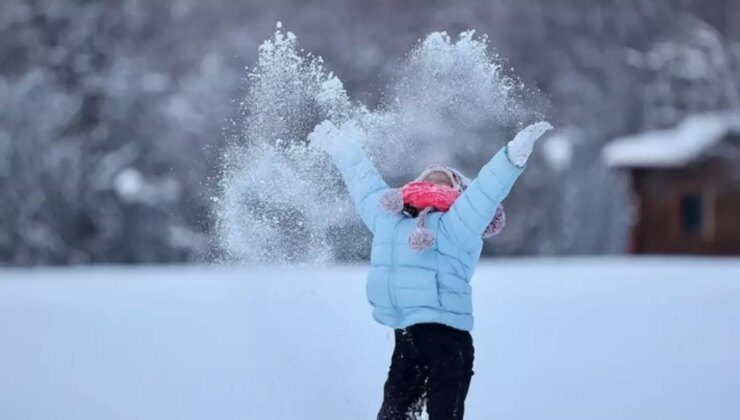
(506, 149)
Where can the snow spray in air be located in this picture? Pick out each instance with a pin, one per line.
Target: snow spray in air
(282, 202)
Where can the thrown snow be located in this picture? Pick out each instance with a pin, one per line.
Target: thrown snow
(570, 339)
(450, 101)
(672, 147)
(280, 201)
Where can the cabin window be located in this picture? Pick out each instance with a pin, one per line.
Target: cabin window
(692, 213)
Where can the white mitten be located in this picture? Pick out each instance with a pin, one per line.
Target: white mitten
(332, 139)
(520, 148)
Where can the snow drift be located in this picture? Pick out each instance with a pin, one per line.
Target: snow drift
(572, 339)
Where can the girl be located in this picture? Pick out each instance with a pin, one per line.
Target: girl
(427, 240)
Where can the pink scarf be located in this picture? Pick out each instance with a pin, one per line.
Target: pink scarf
(426, 197)
(423, 194)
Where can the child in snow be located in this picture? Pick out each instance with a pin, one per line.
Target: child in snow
(427, 240)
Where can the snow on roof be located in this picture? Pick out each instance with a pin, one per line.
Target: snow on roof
(672, 147)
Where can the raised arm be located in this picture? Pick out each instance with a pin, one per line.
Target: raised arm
(473, 210)
(363, 181)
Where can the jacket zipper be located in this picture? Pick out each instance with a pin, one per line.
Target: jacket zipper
(391, 280)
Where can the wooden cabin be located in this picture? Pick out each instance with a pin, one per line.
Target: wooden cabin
(686, 186)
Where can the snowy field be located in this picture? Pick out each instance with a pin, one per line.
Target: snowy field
(572, 339)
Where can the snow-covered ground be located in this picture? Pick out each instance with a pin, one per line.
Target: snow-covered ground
(555, 339)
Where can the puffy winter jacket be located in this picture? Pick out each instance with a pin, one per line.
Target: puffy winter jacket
(407, 287)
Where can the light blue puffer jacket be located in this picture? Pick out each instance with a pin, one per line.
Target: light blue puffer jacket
(406, 287)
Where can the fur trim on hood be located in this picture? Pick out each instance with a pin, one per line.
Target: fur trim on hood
(422, 238)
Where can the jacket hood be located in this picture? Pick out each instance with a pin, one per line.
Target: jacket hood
(459, 181)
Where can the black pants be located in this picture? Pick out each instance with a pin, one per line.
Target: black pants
(432, 364)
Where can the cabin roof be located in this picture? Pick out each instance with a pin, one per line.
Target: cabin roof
(673, 147)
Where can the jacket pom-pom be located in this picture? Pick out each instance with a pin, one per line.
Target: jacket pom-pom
(497, 224)
(421, 239)
(392, 201)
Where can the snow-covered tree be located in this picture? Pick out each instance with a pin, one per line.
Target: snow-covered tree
(114, 115)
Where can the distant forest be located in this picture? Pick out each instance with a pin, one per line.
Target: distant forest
(114, 115)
